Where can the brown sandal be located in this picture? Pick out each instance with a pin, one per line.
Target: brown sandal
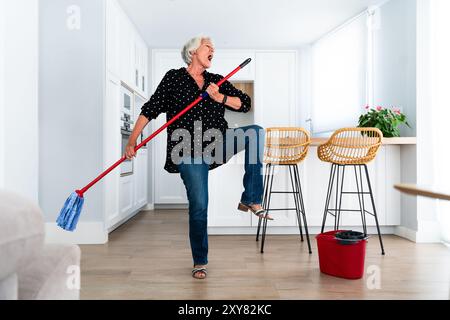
(261, 213)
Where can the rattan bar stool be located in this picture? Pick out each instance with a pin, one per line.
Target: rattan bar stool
(284, 147)
(350, 147)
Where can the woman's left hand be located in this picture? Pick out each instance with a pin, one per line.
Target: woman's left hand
(213, 91)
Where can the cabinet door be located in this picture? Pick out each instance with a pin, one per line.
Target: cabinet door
(126, 195)
(226, 61)
(275, 105)
(112, 149)
(225, 190)
(113, 37)
(169, 188)
(140, 176)
(141, 64)
(144, 70)
(276, 88)
(126, 42)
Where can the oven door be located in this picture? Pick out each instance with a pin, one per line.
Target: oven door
(126, 168)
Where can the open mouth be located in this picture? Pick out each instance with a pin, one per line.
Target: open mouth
(210, 57)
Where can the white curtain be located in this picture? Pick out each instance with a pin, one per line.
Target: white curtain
(339, 76)
(440, 106)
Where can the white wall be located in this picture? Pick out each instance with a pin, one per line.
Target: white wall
(304, 86)
(395, 85)
(19, 97)
(72, 72)
(427, 213)
(395, 59)
(2, 93)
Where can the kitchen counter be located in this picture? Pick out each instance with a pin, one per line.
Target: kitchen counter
(386, 170)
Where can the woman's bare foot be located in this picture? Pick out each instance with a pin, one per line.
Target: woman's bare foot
(199, 271)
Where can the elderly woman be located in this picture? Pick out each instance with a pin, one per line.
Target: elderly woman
(178, 88)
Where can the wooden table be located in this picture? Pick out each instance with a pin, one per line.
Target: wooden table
(422, 191)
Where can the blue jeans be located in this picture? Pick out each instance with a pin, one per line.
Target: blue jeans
(195, 178)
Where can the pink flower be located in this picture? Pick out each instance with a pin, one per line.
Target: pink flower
(397, 111)
(379, 108)
(367, 107)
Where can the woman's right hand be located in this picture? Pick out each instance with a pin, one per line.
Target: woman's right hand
(129, 150)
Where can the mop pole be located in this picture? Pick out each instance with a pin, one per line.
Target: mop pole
(154, 134)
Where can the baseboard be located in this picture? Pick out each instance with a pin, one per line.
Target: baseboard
(431, 235)
(429, 232)
(406, 233)
(149, 207)
(287, 230)
(85, 233)
(171, 206)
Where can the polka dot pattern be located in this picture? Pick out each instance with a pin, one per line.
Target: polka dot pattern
(175, 92)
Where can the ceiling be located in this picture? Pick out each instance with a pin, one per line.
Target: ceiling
(253, 24)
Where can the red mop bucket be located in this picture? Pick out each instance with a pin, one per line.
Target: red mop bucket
(341, 258)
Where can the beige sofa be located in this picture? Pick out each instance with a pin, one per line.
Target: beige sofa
(29, 268)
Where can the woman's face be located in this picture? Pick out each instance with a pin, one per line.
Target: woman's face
(204, 54)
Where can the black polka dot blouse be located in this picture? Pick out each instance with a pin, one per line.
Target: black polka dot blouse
(175, 92)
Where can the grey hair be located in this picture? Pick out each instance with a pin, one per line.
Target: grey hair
(190, 46)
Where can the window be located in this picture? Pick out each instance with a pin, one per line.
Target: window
(340, 67)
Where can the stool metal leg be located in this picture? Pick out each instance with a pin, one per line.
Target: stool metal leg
(302, 206)
(337, 198)
(338, 212)
(265, 185)
(329, 191)
(268, 207)
(374, 210)
(296, 200)
(360, 186)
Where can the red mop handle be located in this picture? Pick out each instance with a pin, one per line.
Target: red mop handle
(154, 134)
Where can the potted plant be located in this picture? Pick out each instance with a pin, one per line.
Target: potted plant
(387, 120)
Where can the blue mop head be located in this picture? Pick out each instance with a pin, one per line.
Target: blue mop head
(68, 217)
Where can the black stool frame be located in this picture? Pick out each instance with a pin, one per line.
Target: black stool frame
(298, 200)
(336, 212)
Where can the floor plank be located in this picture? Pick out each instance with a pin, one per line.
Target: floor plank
(149, 258)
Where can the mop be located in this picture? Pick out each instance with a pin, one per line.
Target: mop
(70, 212)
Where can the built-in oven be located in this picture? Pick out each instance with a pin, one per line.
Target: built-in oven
(127, 100)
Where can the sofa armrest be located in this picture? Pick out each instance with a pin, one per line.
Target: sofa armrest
(54, 275)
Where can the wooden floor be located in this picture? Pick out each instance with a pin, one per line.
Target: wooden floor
(149, 258)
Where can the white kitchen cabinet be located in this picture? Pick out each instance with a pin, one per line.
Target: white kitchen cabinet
(140, 178)
(127, 47)
(141, 67)
(226, 61)
(126, 66)
(112, 149)
(276, 88)
(224, 197)
(126, 51)
(113, 33)
(126, 195)
(275, 104)
(169, 188)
